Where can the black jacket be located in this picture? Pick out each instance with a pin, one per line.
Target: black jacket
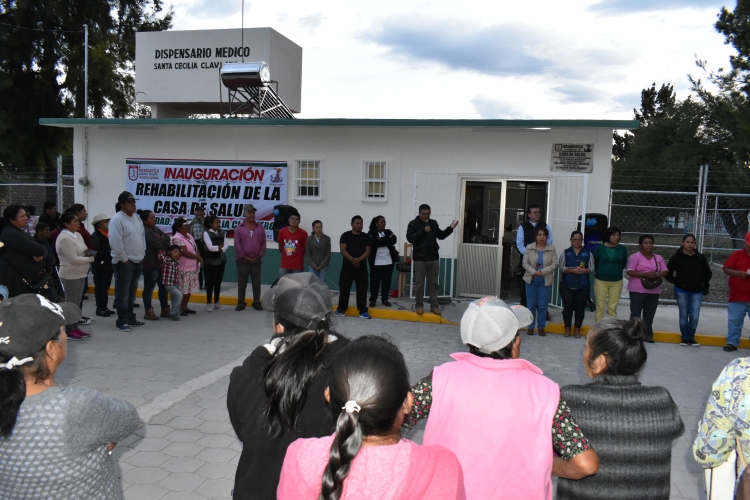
(689, 272)
(260, 463)
(388, 241)
(17, 260)
(103, 259)
(155, 240)
(425, 244)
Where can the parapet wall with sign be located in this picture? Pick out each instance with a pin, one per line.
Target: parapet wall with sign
(178, 72)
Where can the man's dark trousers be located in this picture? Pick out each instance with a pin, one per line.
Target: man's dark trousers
(125, 287)
(350, 274)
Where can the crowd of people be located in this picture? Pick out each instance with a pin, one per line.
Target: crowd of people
(323, 416)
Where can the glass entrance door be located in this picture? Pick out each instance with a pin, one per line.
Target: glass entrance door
(482, 231)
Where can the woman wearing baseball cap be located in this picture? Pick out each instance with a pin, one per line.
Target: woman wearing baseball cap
(54, 441)
(276, 396)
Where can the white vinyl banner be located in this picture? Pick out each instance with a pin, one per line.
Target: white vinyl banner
(173, 188)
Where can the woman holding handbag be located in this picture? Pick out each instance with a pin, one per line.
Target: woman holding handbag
(690, 273)
(75, 259)
(216, 260)
(22, 259)
(382, 259)
(647, 270)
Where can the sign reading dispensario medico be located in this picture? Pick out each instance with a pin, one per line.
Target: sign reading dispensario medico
(173, 188)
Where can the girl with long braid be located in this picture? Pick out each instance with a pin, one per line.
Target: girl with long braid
(366, 458)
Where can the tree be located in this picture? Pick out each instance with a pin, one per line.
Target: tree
(667, 149)
(42, 68)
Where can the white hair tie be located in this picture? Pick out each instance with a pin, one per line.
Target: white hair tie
(351, 406)
(14, 361)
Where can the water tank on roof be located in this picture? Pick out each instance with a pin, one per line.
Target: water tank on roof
(245, 74)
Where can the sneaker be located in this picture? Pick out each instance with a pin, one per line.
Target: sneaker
(83, 334)
(242, 306)
(729, 348)
(684, 343)
(85, 320)
(339, 313)
(218, 307)
(693, 343)
(75, 335)
(209, 308)
(175, 317)
(123, 328)
(104, 313)
(136, 323)
(365, 315)
(386, 303)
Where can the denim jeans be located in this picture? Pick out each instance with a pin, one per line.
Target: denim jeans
(736, 312)
(150, 281)
(320, 274)
(176, 296)
(689, 305)
(537, 299)
(644, 304)
(126, 285)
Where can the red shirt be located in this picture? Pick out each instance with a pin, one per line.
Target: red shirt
(739, 288)
(293, 248)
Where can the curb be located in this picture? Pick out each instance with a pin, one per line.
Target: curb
(428, 317)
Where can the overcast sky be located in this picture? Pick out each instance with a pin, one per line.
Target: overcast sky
(481, 59)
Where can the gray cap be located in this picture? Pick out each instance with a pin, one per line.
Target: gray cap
(300, 298)
(29, 321)
(489, 324)
(250, 208)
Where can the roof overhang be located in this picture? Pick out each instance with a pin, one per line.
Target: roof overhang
(338, 122)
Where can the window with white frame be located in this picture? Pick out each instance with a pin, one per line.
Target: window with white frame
(308, 179)
(374, 180)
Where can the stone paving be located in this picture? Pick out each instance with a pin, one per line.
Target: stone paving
(176, 374)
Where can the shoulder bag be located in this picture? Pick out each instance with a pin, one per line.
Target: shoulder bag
(651, 283)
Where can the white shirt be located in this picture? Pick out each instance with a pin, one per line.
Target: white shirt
(383, 254)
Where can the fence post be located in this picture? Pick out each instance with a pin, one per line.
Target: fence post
(59, 184)
(703, 193)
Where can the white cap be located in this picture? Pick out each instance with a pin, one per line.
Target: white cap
(489, 324)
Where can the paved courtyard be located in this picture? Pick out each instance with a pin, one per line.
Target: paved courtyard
(176, 374)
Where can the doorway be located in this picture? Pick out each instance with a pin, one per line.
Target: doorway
(492, 211)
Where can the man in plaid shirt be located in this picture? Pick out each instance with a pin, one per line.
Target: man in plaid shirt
(196, 230)
(170, 277)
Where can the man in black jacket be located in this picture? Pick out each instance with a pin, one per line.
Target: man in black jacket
(423, 234)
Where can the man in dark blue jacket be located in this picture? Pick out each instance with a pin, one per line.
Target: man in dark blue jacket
(423, 234)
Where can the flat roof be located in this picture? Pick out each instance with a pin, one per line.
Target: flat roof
(338, 122)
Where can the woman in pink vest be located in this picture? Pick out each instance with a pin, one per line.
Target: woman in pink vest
(499, 414)
(366, 457)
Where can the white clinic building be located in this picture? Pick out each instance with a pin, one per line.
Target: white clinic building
(482, 173)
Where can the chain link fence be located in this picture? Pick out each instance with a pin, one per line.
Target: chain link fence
(719, 222)
(32, 186)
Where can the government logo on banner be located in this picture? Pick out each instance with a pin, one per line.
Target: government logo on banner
(174, 188)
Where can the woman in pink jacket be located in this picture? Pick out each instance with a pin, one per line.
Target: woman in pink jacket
(366, 457)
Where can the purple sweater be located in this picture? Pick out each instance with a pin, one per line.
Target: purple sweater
(246, 245)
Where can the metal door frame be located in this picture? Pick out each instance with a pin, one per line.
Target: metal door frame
(503, 200)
